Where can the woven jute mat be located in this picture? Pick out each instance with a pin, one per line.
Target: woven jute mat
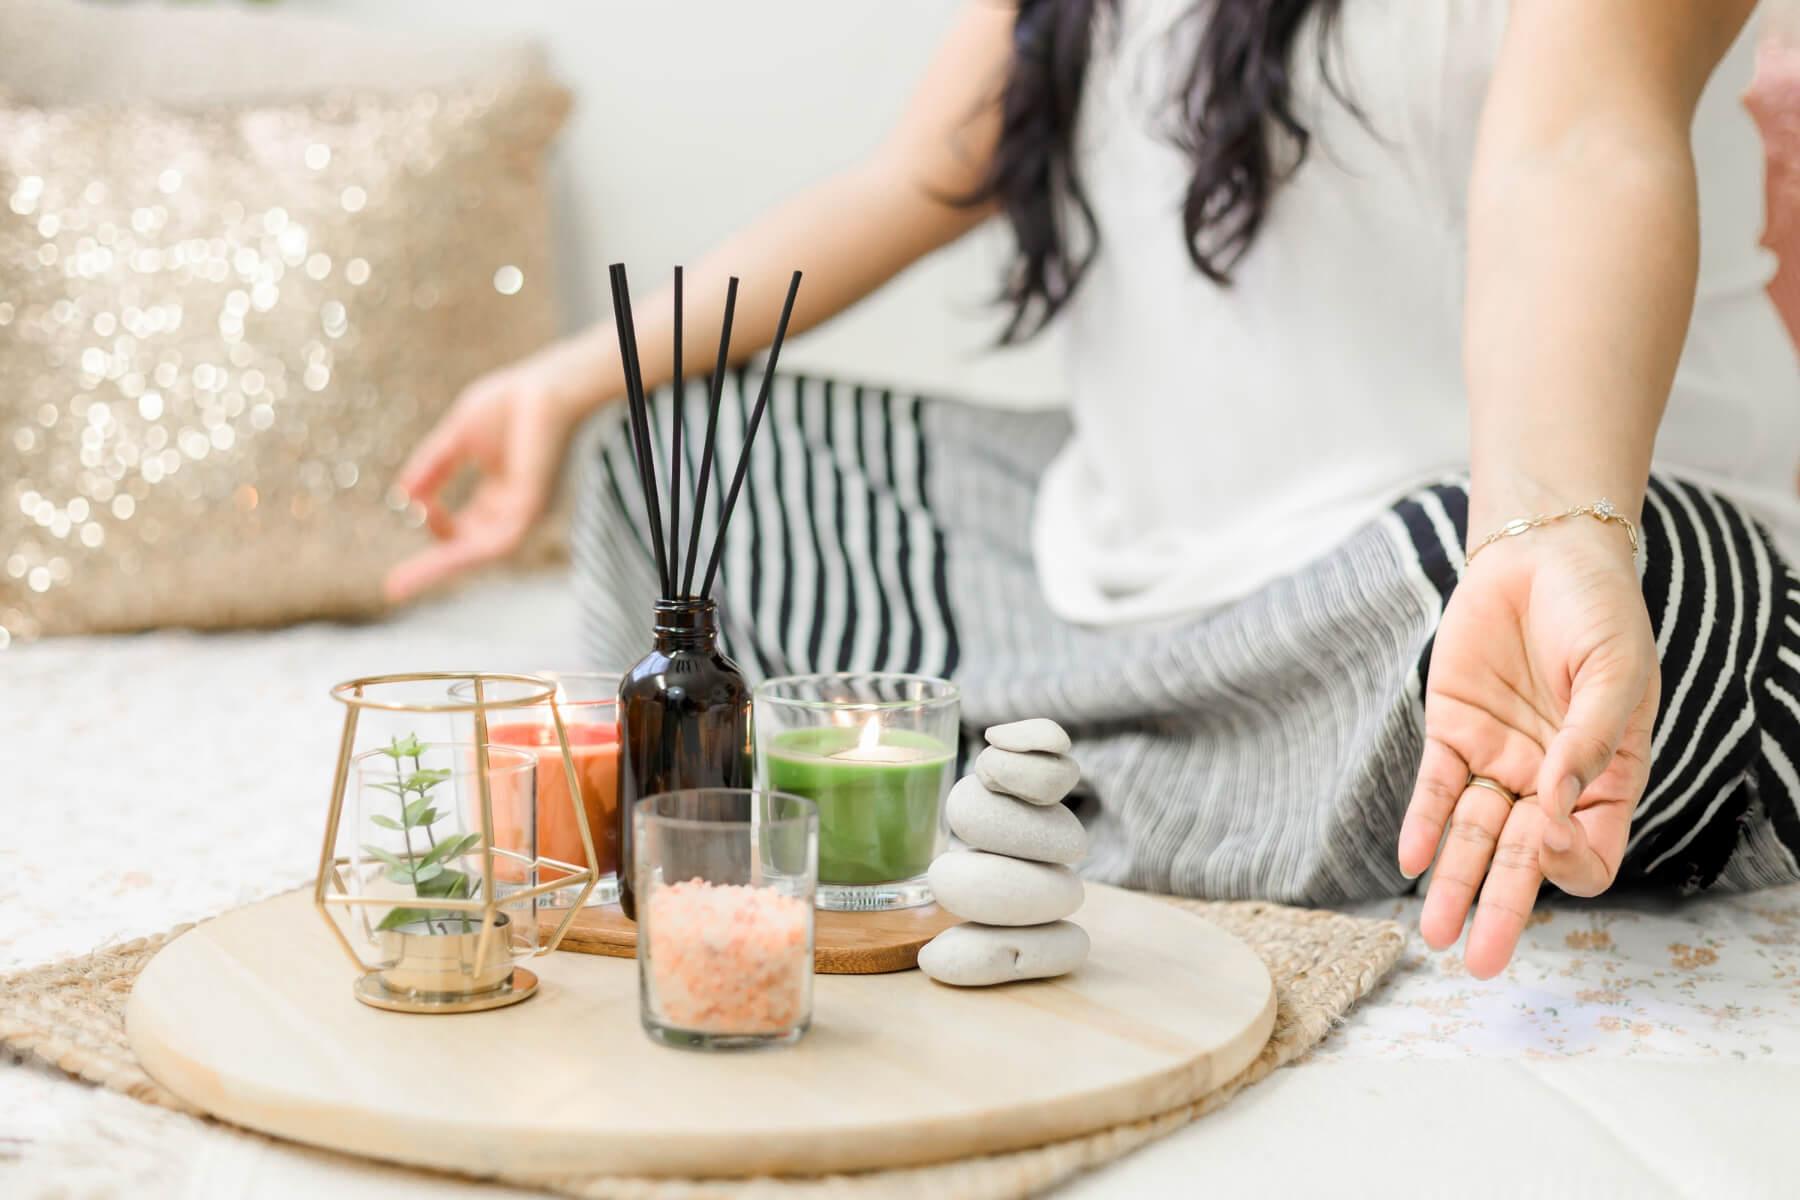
(72, 1016)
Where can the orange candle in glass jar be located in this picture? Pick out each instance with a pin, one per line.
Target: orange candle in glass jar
(594, 746)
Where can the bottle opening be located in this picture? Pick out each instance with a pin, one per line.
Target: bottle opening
(689, 618)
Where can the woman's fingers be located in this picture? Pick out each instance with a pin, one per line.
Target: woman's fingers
(442, 560)
(432, 464)
(1442, 774)
(1590, 862)
(1521, 864)
(1511, 889)
(490, 526)
(1473, 832)
(1602, 697)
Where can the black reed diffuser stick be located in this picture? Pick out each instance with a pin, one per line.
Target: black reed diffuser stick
(680, 407)
(762, 402)
(640, 423)
(712, 428)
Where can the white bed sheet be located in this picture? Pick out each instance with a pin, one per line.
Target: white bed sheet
(1636, 1047)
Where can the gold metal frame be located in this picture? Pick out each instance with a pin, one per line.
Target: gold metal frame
(352, 694)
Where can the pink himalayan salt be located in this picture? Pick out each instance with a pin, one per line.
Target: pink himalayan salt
(729, 958)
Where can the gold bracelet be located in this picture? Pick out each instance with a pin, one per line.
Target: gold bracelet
(1601, 510)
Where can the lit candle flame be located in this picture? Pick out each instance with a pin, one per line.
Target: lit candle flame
(870, 749)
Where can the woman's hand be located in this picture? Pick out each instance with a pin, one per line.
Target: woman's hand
(1544, 678)
(513, 426)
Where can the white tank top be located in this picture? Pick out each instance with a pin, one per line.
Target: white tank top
(1228, 436)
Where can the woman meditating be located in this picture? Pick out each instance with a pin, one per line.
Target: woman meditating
(1428, 493)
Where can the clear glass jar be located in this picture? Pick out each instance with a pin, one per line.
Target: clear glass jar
(589, 704)
(724, 879)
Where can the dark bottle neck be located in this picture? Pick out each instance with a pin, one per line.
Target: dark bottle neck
(687, 625)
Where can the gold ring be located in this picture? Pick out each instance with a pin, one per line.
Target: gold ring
(1492, 785)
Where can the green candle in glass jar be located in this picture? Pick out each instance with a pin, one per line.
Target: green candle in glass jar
(880, 794)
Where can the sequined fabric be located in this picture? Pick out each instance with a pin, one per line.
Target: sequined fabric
(221, 331)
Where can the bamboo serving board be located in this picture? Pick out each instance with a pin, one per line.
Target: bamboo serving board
(250, 1017)
(844, 943)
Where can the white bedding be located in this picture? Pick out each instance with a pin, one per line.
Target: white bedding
(1639, 1047)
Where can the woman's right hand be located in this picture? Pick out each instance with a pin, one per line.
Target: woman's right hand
(513, 425)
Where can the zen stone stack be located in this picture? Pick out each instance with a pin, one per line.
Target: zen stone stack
(1015, 883)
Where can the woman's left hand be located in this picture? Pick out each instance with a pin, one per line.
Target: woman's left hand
(1544, 678)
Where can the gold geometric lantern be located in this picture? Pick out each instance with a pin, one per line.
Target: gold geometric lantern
(434, 884)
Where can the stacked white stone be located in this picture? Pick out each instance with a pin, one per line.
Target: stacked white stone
(1014, 885)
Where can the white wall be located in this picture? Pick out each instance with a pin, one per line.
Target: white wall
(691, 117)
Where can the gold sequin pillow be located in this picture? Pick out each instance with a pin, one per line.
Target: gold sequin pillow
(222, 330)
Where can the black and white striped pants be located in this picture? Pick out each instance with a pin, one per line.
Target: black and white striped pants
(1264, 750)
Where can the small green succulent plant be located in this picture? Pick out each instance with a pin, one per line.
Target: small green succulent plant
(426, 864)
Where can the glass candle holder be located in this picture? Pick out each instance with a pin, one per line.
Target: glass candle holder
(724, 882)
(876, 753)
(590, 711)
(430, 877)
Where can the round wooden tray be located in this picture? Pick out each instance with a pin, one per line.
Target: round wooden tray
(251, 1018)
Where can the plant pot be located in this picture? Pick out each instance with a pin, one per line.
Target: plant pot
(437, 960)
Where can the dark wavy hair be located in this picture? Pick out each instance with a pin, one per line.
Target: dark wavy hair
(1235, 97)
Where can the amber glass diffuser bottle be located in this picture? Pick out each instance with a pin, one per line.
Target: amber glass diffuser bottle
(685, 719)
